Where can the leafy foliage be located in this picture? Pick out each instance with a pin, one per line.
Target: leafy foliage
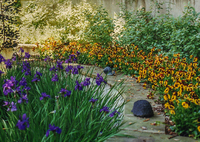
(170, 34)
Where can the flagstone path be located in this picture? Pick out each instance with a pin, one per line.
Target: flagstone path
(142, 129)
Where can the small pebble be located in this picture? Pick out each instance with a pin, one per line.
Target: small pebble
(144, 128)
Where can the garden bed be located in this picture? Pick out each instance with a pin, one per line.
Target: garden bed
(56, 99)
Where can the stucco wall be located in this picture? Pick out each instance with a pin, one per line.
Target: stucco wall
(176, 6)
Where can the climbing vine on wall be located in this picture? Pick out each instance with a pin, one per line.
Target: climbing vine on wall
(9, 32)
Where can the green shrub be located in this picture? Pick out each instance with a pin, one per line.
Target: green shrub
(170, 34)
(101, 27)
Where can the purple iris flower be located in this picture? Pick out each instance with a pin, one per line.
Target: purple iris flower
(18, 89)
(23, 122)
(54, 78)
(35, 79)
(53, 69)
(27, 55)
(63, 91)
(78, 53)
(113, 113)
(105, 109)
(47, 59)
(44, 95)
(86, 82)
(80, 67)
(23, 99)
(26, 68)
(68, 93)
(23, 82)
(27, 88)
(54, 129)
(14, 58)
(22, 50)
(2, 59)
(78, 86)
(6, 103)
(93, 100)
(27, 73)
(38, 74)
(7, 91)
(12, 107)
(8, 85)
(99, 80)
(8, 64)
(59, 65)
(1, 73)
(68, 68)
(75, 59)
(74, 70)
(68, 61)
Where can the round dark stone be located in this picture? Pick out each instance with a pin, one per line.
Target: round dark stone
(108, 71)
(142, 108)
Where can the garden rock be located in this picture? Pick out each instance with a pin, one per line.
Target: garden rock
(108, 71)
(142, 108)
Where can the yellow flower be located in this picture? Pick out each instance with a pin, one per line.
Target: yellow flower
(171, 107)
(195, 59)
(166, 90)
(195, 65)
(167, 105)
(191, 56)
(185, 105)
(197, 101)
(161, 82)
(184, 60)
(136, 48)
(153, 87)
(166, 97)
(144, 71)
(172, 112)
(173, 97)
(198, 128)
(165, 83)
(144, 85)
(176, 85)
(138, 80)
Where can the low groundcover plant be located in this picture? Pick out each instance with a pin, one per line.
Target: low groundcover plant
(50, 101)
